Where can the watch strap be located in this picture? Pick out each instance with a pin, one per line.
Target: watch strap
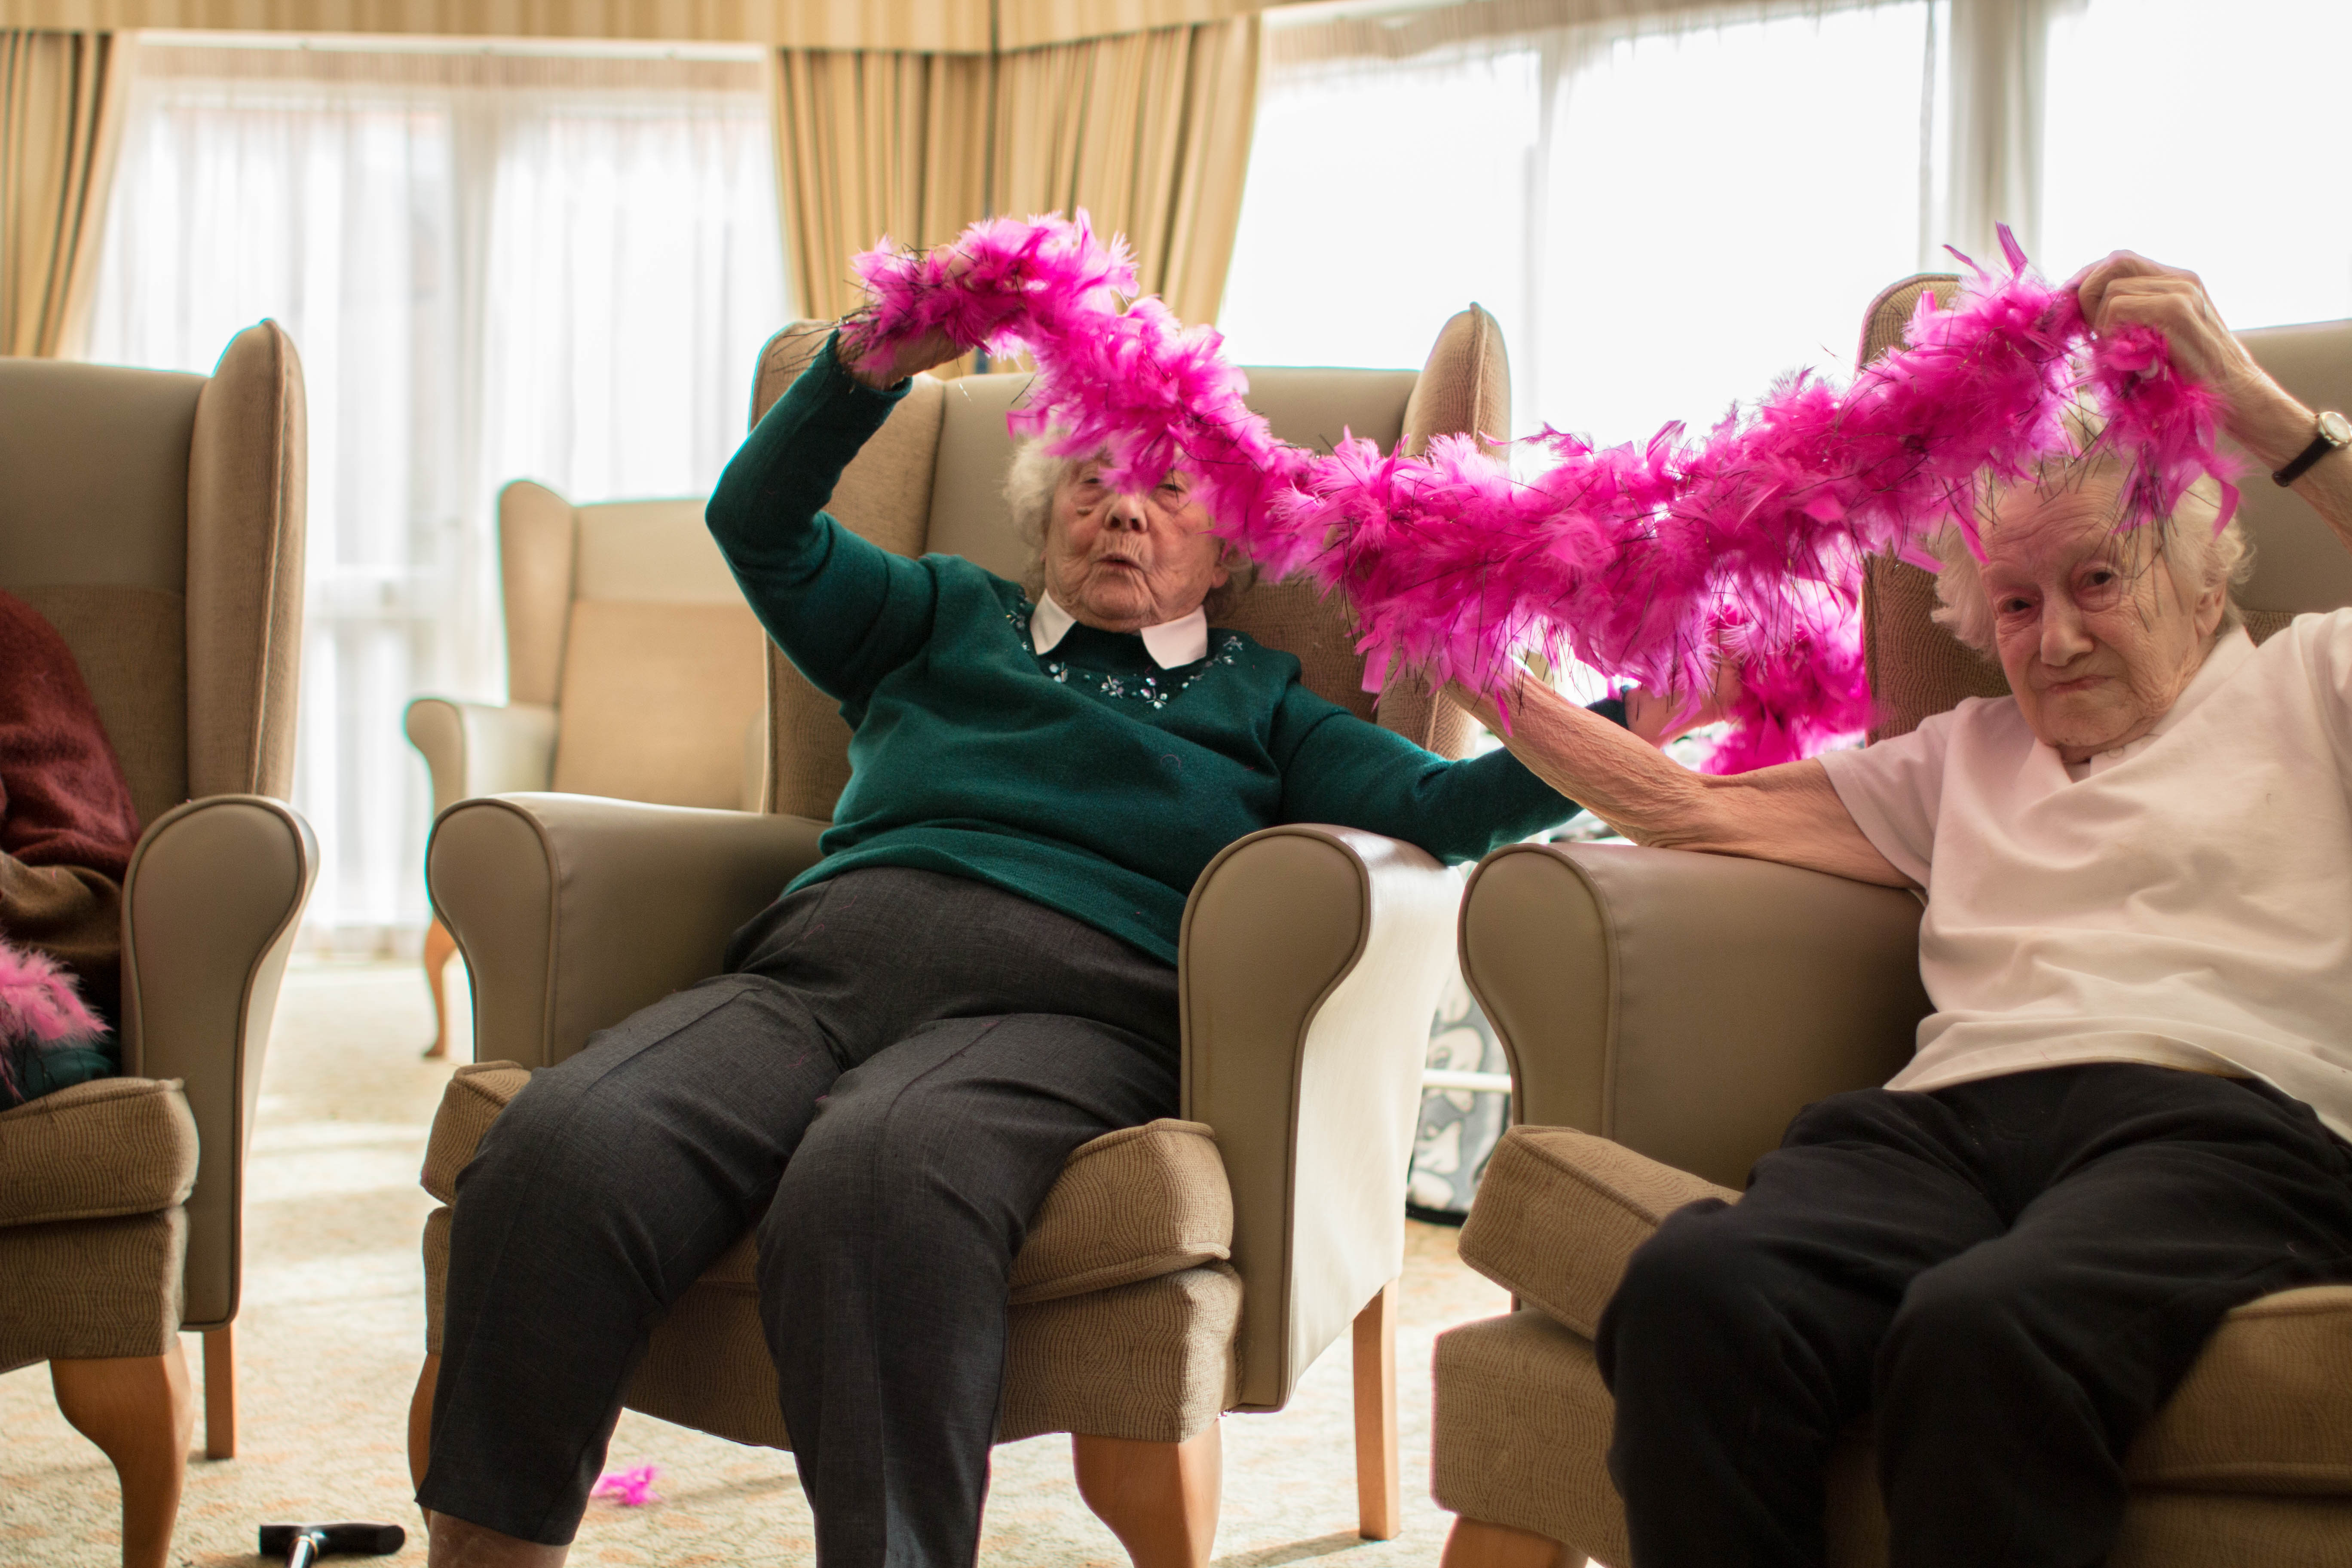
(2320, 446)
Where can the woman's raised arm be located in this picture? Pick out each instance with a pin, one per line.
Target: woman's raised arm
(2272, 425)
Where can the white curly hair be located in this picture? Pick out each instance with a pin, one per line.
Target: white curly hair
(2193, 551)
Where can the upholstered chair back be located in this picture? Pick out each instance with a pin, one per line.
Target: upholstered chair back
(155, 518)
(623, 617)
(1917, 669)
(933, 480)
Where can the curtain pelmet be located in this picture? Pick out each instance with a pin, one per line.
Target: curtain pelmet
(60, 116)
(1149, 132)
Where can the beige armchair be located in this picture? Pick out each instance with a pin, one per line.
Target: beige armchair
(633, 670)
(156, 520)
(1611, 975)
(1176, 1273)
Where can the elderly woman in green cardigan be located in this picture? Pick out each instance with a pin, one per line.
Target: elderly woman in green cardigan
(978, 977)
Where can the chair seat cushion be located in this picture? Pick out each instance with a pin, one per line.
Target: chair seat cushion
(110, 1147)
(2267, 1408)
(1130, 1205)
(1558, 1211)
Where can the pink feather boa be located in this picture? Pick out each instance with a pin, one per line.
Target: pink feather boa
(39, 1009)
(1649, 562)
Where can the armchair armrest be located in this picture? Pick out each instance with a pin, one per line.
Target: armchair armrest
(573, 910)
(1688, 1005)
(1311, 963)
(481, 748)
(209, 909)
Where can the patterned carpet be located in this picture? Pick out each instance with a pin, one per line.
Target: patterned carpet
(333, 1324)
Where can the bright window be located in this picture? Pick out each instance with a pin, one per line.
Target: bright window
(2220, 156)
(1663, 218)
(494, 267)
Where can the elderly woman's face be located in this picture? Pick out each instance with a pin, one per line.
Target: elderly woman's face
(1124, 561)
(2097, 637)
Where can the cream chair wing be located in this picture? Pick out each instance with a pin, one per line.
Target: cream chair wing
(633, 671)
(156, 519)
(1194, 1268)
(1666, 1015)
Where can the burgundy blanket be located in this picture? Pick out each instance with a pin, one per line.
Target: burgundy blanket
(67, 823)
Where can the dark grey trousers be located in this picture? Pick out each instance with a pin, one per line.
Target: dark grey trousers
(885, 1084)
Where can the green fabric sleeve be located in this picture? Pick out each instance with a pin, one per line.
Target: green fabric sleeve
(1338, 768)
(847, 612)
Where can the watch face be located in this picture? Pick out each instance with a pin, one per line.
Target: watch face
(2335, 429)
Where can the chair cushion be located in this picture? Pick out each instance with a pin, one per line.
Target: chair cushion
(1558, 1211)
(111, 1146)
(476, 1095)
(1130, 1205)
(2267, 1408)
(655, 699)
(92, 1289)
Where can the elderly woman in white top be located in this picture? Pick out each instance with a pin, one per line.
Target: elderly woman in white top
(2127, 1114)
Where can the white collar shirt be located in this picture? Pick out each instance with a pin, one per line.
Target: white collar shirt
(1184, 640)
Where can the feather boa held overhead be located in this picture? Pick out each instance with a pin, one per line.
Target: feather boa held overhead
(1650, 561)
(40, 1010)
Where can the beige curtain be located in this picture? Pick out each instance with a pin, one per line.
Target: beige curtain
(60, 115)
(1149, 132)
(874, 142)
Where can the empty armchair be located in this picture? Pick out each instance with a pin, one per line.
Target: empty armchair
(1179, 1270)
(156, 519)
(1667, 1014)
(633, 670)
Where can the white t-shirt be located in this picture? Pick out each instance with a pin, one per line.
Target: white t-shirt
(2185, 900)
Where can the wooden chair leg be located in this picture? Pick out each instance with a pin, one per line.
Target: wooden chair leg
(439, 948)
(220, 1392)
(420, 1421)
(1380, 1490)
(1158, 1499)
(141, 1412)
(1475, 1544)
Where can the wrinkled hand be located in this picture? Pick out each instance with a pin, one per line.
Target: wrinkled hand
(1660, 718)
(918, 353)
(2128, 289)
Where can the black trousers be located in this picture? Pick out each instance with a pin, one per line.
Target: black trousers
(2012, 1274)
(886, 1087)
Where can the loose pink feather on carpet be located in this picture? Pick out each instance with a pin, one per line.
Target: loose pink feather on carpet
(1650, 561)
(632, 1487)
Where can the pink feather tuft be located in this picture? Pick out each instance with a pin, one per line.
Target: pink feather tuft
(1649, 562)
(40, 1010)
(632, 1487)
(39, 1003)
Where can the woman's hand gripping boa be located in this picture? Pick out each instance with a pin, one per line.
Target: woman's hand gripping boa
(1650, 562)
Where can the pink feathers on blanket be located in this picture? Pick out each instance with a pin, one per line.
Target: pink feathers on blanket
(38, 1002)
(39, 1009)
(1649, 562)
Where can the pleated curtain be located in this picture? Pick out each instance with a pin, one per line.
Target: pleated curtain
(60, 115)
(1149, 132)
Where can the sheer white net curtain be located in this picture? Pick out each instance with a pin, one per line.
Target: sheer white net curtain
(1664, 211)
(1671, 207)
(496, 267)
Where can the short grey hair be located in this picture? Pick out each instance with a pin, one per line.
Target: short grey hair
(2193, 551)
(1036, 473)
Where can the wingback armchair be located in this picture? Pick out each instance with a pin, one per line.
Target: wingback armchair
(633, 670)
(1177, 1272)
(1667, 1014)
(156, 519)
